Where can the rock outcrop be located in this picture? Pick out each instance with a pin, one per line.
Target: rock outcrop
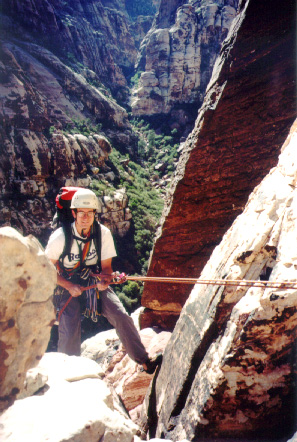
(79, 406)
(229, 369)
(56, 68)
(27, 314)
(115, 213)
(178, 54)
(128, 379)
(249, 107)
(94, 33)
(41, 102)
(124, 375)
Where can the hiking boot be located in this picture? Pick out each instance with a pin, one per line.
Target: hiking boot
(151, 364)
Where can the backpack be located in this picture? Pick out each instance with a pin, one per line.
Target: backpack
(63, 218)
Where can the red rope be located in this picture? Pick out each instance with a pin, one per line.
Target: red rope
(225, 282)
(63, 308)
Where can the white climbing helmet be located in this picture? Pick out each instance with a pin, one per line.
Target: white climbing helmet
(84, 199)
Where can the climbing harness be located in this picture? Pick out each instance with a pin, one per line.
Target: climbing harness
(82, 274)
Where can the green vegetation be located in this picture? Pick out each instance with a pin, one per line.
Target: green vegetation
(84, 127)
(140, 7)
(135, 79)
(102, 188)
(154, 148)
(130, 294)
(145, 203)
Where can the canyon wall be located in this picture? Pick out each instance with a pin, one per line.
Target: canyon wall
(85, 31)
(54, 78)
(229, 369)
(26, 310)
(177, 57)
(249, 107)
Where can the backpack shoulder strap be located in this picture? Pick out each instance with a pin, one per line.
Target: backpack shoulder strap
(98, 241)
(67, 229)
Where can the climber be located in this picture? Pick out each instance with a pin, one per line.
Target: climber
(75, 270)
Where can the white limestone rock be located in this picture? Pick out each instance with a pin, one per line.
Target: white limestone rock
(75, 405)
(101, 346)
(77, 411)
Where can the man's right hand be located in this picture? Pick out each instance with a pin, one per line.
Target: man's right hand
(74, 290)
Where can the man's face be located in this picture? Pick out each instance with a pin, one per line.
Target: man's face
(84, 218)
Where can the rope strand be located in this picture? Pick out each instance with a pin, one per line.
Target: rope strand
(224, 282)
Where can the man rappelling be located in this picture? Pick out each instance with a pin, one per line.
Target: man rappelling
(81, 251)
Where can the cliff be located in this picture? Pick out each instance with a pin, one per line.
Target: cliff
(177, 57)
(54, 80)
(249, 107)
(90, 32)
(229, 369)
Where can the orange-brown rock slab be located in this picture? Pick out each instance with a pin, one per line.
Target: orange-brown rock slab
(246, 115)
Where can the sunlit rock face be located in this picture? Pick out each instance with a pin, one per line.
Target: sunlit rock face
(249, 107)
(27, 313)
(229, 369)
(178, 54)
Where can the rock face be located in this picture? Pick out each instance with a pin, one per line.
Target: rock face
(178, 54)
(36, 168)
(115, 213)
(229, 367)
(56, 68)
(249, 107)
(26, 309)
(95, 33)
(128, 379)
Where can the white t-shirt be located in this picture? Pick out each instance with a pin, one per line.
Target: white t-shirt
(55, 247)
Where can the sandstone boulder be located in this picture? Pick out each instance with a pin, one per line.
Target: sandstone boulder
(75, 405)
(101, 347)
(27, 313)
